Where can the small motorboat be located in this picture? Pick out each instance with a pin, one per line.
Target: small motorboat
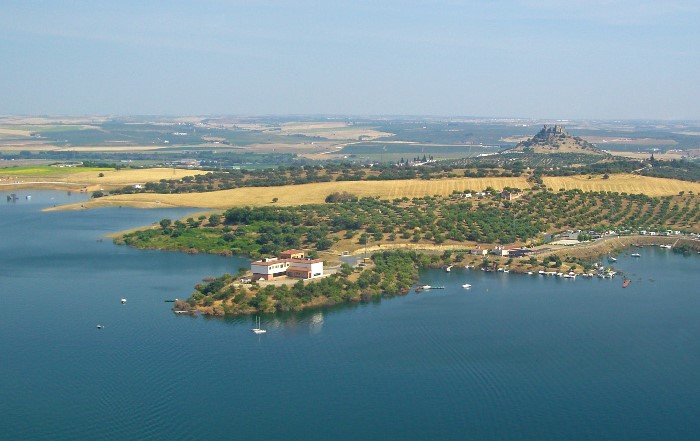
(636, 255)
(100, 326)
(466, 286)
(123, 301)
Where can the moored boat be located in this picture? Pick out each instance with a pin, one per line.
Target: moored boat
(257, 329)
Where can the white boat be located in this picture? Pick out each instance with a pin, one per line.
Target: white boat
(426, 287)
(668, 247)
(100, 326)
(123, 301)
(611, 259)
(466, 286)
(449, 268)
(636, 255)
(258, 329)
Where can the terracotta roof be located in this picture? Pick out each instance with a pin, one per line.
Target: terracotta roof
(296, 268)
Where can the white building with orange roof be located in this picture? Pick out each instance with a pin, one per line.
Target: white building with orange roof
(291, 263)
(269, 268)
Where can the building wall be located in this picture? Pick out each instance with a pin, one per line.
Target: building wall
(298, 274)
(315, 267)
(277, 269)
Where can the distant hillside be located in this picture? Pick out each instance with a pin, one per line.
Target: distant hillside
(554, 139)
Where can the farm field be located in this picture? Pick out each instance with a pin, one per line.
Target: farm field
(309, 193)
(317, 192)
(622, 183)
(87, 177)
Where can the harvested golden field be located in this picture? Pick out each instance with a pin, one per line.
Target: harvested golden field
(600, 141)
(317, 192)
(332, 130)
(41, 146)
(643, 156)
(110, 148)
(13, 133)
(308, 193)
(623, 183)
(134, 176)
(73, 177)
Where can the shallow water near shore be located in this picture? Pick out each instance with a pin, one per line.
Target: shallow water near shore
(514, 357)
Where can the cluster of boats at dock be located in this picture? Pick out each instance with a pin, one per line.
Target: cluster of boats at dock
(599, 270)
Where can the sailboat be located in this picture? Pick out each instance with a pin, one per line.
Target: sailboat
(258, 329)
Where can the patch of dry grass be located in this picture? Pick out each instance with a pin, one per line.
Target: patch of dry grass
(643, 156)
(309, 193)
(133, 176)
(331, 130)
(600, 141)
(112, 148)
(60, 177)
(317, 192)
(623, 183)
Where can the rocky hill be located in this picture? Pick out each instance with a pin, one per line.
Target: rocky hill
(554, 139)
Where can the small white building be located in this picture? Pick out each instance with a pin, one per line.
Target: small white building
(499, 251)
(296, 267)
(268, 269)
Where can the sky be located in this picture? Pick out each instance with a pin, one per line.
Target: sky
(578, 59)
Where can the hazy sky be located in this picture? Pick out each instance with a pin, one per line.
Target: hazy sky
(506, 58)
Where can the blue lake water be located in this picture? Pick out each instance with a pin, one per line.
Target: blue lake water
(516, 357)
